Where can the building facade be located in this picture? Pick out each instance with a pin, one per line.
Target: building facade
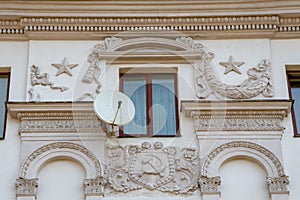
(214, 85)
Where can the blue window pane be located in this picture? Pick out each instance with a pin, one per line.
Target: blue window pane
(296, 97)
(3, 93)
(163, 105)
(135, 88)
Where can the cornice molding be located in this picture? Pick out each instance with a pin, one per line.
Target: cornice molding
(147, 8)
(250, 115)
(199, 27)
(56, 117)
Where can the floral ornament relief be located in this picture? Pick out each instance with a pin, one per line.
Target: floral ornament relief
(154, 167)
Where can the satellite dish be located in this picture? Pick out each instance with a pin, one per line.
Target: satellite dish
(114, 107)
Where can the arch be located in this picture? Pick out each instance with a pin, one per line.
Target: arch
(113, 44)
(49, 152)
(242, 149)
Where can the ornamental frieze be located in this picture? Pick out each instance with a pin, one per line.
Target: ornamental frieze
(238, 125)
(52, 126)
(152, 166)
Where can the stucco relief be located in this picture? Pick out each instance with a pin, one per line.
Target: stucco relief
(258, 81)
(94, 70)
(60, 146)
(278, 184)
(37, 78)
(94, 187)
(152, 166)
(26, 187)
(247, 145)
(210, 185)
(216, 124)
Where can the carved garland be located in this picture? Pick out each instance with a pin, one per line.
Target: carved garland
(60, 145)
(238, 144)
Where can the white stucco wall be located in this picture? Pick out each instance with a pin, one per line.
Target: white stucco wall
(20, 56)
(286, 52)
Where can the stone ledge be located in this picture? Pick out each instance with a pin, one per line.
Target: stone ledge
(55, 117)
(250, 115)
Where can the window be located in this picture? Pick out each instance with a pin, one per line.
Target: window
(4, 88)
(155, 100)
(293, 76)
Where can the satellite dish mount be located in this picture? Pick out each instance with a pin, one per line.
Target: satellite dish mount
(114, 108)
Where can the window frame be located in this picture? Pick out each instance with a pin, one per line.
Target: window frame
(295, 70)
(6, 72)
(148, 78)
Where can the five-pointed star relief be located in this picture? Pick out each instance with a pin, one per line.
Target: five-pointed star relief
(64, 67)
(231, 65)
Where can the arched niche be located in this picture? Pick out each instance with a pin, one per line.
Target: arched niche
(93, 184)
(241, 149)
(210, 179)
(49, 152)
(243, 179)
(61, 179)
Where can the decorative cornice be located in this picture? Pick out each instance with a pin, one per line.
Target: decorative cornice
(146, 8)
(250, 115)
(41, 26)
(52, 117)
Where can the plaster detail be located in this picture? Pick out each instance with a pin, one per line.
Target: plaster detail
(278, 184)
(258, 82)
(37, 78)
(152, 166)
(250, 115)
(94, 70)
(64, 67)
(238, 124)
(61, 146)
(271, 26)
(210, 185)
(65, 126)
(231, 65)
(26, 187)
(94, 187)
(235, 145)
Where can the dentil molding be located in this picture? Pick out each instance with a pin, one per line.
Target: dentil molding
(40, 26)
